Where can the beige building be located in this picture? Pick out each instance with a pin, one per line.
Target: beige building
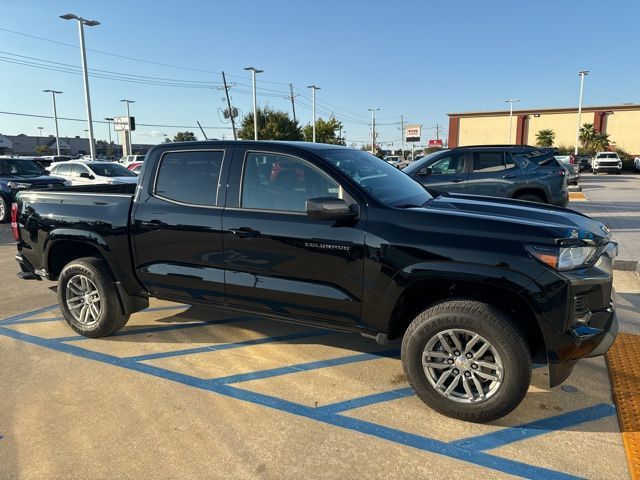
(621, 122)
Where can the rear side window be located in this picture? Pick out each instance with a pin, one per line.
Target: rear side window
(189, 177)
(485, 162)
(64, 169)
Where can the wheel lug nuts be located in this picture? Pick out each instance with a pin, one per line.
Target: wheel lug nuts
(469, 355)
(474, 366)
(456, 371)
(467, 374)
(456, 353)
(450, 361)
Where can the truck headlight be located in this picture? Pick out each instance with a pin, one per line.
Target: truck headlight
(564, 258)
(18, 185)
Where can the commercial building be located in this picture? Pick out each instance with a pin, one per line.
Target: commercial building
(621, 122)
(26, 145)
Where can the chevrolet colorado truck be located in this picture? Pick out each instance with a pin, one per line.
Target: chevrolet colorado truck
(477, 287)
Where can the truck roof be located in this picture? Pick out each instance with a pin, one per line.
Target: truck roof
(253, 143)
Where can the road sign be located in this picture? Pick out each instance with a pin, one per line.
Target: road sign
(124, 124)
(412, 133)
(435, 143)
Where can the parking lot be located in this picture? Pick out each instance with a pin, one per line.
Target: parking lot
(185, 391)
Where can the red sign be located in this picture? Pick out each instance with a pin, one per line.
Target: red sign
(435, 143)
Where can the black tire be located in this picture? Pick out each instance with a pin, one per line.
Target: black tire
(110, 318)
(5, 209)
(531, 197)
(477, 318)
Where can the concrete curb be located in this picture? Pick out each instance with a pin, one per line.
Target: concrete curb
(574, 188)
(627, 265)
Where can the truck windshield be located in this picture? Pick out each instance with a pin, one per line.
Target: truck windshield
(111, 170)
(23, 168)
(381, 180)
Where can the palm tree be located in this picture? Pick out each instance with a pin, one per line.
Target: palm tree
(600, 142)
(545, 138)
(587, 135)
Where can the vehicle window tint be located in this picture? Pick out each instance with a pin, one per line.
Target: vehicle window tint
(189, 177)
(64, 170)
(484, 162)
(448, 165)
(278, 182)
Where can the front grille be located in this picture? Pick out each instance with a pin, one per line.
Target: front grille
(580, 305)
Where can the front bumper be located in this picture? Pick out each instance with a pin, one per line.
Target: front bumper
(607, 168)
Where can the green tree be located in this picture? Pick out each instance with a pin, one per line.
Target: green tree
(42, 150)
(600, 142)
(326, 131)
(272, 125)
(586, 136)
(167, 140)
(545, 138)
(184, 137)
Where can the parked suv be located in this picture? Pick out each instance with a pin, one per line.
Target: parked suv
(606, 162)
(521, 172)
(129, 159)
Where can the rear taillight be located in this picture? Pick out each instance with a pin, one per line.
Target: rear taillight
(572, 159)
(14, 221)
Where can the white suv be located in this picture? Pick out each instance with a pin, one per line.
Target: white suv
(129, 159)
(606, 162)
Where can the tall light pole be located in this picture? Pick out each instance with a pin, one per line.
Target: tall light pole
(83, 56)
(582, 74)
(253, 71)
(40, 128)
(313, 109)
(109, 120)
(55, 116)
(511, 101)
(373, 129)
(128, 132)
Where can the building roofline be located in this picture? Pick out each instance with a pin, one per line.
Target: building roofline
(533, 111)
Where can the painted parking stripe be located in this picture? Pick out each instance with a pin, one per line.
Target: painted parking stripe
(508, 466)
(227, 346)
(367, 400)
(534, 429)
(303, 367)
(163, 328)
(35, 320)
(10, 320)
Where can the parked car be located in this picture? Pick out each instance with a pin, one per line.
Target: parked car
(608, 162)
(129, 159)
(477, 287)
(583, 162)
(636, 165)
(393, 160)
(83, 172)
(19, 174)
(520, 172)
(135, 167)
(573, 170)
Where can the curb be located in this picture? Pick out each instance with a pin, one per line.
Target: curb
(627, 265)
(574, 188)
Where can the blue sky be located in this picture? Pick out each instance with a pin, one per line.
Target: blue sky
(415, 58)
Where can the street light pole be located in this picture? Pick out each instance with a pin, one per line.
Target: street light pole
(582, 74)
(128, 132)
(511, 101)
(313, 110)
(373, 129)
(253, 71)
(109, 120)
(83, 56)
(55, 116)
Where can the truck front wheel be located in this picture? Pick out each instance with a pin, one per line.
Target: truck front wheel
(88, 298)
(466, 360)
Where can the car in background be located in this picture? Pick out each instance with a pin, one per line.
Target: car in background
(573, 169)
(394, 160)
(86, 172)
(18, 174)
(512, 171)
(583, 162)
(636, 165)
(135, 167)
(129, 159)
(608, 162)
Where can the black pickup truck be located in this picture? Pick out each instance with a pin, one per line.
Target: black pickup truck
(477, 287)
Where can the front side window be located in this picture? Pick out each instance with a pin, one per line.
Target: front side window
(26, 168)
(448, 165)
(64, 170)
(78, 169)
(189, 177)
(111, 170)
(279, 182)
(485, 162)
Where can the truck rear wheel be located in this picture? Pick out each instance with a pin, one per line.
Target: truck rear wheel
(466, 360)
(88, 299)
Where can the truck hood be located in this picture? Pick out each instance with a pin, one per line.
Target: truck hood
(35, 181)
(562, 222)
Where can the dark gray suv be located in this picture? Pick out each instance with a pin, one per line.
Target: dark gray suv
(511, 171)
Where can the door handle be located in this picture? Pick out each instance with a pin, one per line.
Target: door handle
(244, 232)
(155, 223)
(508, 176)
(457, 180)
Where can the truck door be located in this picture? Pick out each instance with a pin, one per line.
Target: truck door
(177, 225)
(277, 259)
(447, 174)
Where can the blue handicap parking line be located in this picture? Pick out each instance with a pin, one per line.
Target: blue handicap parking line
(163, 328)
(539, 427)
(227, 346)
(480, 458)
(35, 320)
(303, 367)
(367, 400)
(16, 318)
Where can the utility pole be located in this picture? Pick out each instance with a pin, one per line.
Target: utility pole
(128, 132)
(373, 129)
(402, 136)
(511, 101)
(437, 131)
(582, 74)
(85, 75)
(254, 70)
(226, 92)
(313, 108)
(293, 103)
(55, 116)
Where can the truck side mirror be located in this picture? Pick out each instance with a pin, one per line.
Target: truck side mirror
(329, 208)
